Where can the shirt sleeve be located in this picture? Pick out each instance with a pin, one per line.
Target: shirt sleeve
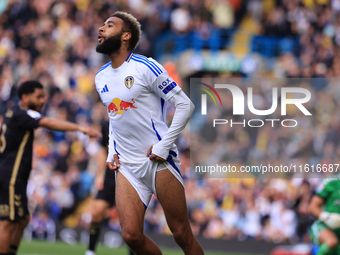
(324, 189)
(28, 119)
(184, 109)
(160, 82)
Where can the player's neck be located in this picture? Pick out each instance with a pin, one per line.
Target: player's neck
(118, 58)
(23, 105)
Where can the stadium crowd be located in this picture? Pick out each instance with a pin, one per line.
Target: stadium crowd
(316, 24)
(54, 41)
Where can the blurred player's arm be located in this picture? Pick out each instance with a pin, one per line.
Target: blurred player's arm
(62, 125)
(184, 109)
(101, 156)
(332, 220)
(315, 207)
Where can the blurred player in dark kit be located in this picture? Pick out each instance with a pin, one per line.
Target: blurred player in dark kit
(17, 135)
(106, 184)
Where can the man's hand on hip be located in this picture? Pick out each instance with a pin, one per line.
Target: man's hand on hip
(154, 156)
(114, 166)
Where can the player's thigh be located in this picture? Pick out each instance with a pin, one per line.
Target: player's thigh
(7, 226)
(22, 223)
(329, 237)
(130, 207)
(99, 208)
(170, 193)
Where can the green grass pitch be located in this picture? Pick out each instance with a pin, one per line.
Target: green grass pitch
(60, 248)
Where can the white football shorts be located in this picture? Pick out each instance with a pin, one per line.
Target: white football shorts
(143, 176)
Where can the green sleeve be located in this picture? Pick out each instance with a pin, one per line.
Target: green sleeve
(324, 189)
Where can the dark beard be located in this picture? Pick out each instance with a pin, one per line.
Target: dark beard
(110, 45)
(32, 106)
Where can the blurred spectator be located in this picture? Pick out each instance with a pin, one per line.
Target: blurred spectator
(42, 226)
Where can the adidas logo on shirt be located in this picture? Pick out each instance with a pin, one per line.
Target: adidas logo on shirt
(105, 89)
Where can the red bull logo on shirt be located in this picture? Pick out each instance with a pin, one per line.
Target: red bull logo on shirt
(119, 106)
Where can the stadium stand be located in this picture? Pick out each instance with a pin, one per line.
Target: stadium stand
(54, 41)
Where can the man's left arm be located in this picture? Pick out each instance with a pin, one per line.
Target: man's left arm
(184, 109)
(164, 86)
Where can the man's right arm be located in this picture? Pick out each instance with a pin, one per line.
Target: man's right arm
(61, 125)
(332, 220)
(315, 207)
(101, 156)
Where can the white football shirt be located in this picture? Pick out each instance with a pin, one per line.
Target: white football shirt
(134, 95)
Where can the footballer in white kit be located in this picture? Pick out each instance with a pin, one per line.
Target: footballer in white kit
(134, 95)
(134, 89)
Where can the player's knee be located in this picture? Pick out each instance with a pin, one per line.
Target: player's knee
(181, 234)
(7, 226)
(132, 238)
(23, 223)
(97, 215)
(332, 242)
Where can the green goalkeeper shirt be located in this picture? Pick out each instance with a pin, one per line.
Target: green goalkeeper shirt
(329, 189)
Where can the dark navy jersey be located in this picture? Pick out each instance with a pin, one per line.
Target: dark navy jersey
(17, 134)
(110, 179)
(105, 133)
